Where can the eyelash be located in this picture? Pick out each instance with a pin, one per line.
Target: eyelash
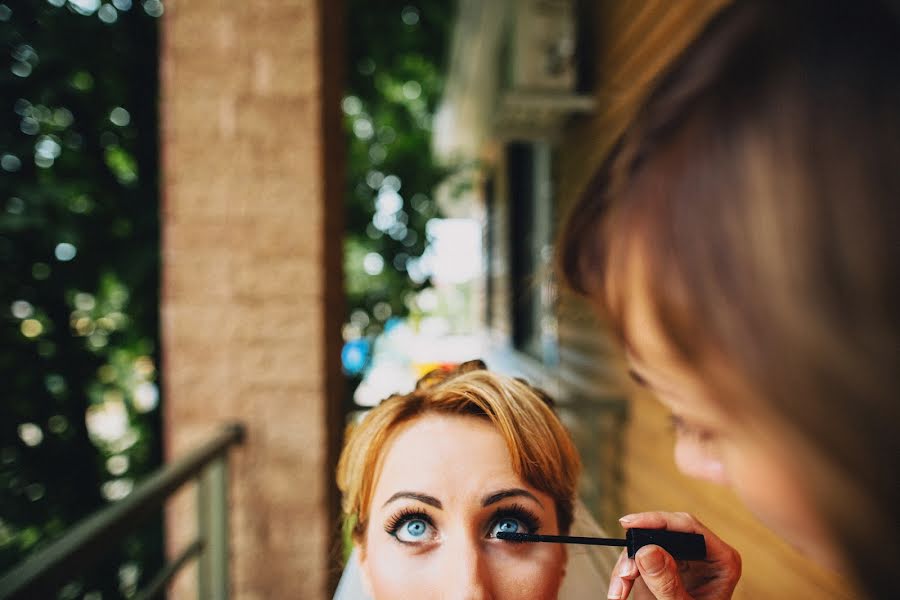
(637, 378)
(682, 427)
(404, 515)
(515, 511)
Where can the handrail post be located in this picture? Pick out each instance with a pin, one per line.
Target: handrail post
(91, 538)
(212, 525)
(203, 535)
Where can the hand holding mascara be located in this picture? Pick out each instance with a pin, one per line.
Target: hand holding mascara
(681, 545)
(712, 576)
(661, 573)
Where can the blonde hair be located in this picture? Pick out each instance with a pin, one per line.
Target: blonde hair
(540, 448)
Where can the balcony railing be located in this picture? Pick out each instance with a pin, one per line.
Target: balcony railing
(42, 573)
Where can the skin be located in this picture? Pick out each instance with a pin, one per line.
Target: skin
(712, 445)
(462, 464)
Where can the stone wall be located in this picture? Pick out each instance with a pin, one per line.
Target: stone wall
(252, 287)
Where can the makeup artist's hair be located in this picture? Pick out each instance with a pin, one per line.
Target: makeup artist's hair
(542, 451)
(759, 189)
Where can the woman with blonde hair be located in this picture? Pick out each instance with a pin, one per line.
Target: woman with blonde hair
(429, 478)
(742, 242)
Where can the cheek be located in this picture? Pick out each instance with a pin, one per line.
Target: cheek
(393, 572)
(507, 572)
(771, 493)
(535, 571)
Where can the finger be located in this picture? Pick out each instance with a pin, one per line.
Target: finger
(673, 521)
(660, 574)
(623, 574)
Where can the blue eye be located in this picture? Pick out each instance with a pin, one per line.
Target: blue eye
(413, 530)
(507, 525)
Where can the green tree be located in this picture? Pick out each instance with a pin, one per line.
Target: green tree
(79, 271)
(396, 58)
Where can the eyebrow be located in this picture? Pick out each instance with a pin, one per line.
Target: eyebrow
(638, 372)
(492, 498)
(424, 498)
(510, 493)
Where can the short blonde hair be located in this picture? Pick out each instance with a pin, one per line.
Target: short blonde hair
(541, 450)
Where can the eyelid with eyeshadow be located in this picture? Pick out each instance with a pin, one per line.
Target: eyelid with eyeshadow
(404, 515)
(638, 378)
(523, 515)
(518, 512)
(644, 381)
(683, 427)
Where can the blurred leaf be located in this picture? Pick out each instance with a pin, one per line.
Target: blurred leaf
(121, 164)
(396, 55)
(79, 267)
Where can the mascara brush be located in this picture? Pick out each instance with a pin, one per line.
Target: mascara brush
(681, 545)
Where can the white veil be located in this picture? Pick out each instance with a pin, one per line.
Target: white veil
(589, 567)
(350, 586)
(587, 571)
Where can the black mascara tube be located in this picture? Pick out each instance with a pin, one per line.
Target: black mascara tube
(681, 545)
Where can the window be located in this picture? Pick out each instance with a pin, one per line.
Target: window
(490, 240)
(532, 293)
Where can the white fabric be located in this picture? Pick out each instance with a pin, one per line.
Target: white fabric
(587, 570)
(350, 586)
(589, 567)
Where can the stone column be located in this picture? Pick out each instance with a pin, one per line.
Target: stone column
(252, 286)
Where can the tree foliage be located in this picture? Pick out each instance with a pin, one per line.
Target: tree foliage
(396, 59)
(79, 262)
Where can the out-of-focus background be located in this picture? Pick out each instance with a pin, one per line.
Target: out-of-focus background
(267, 216)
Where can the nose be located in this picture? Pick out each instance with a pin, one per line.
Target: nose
(466, 574)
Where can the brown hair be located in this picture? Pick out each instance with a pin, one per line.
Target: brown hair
(759, 187)
(541, 450)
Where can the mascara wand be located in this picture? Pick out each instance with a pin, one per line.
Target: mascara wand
(681, 545)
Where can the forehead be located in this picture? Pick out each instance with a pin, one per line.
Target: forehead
(445, 455)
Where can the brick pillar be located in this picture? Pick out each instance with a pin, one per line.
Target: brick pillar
(252, 287)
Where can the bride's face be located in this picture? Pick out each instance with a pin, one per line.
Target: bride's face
(445, 489)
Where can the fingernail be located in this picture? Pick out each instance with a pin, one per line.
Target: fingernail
(651, 561)
(626, 519)
(615, 589)
(626, 568)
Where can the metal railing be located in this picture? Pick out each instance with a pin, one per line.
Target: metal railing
(42, 573)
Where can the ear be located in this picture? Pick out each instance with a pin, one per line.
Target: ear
(364, 574)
